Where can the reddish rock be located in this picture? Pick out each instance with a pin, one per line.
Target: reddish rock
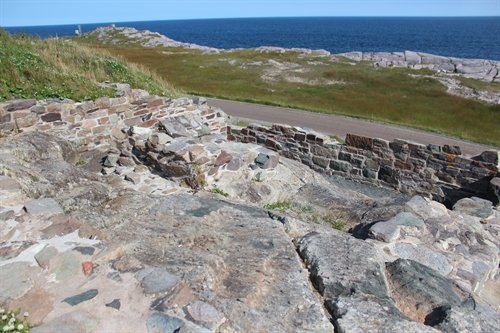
(155, 103)
(87, 268)
(359, 141)
(50, 117)
(223, 158)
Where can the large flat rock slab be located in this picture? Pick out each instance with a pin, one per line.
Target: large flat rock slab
(235, 259)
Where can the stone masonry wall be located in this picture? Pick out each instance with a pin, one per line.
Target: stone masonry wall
(432, 171)
(93, 123)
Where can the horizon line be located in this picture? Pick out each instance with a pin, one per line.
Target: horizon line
(256, 17)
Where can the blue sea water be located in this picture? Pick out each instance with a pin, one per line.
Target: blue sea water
(464, 37)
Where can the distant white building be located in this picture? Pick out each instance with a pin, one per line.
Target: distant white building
(78, 31)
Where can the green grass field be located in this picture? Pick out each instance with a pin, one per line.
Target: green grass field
(36, 68)
(317, 84)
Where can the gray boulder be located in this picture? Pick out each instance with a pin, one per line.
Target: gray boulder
(340, 263)
(385, 231)
(350, 274)
(422, 292)
(156, 280)
(474, 207)
(424, 256)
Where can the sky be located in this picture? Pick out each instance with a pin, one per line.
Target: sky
(52, 12)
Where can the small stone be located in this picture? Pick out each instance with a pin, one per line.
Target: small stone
(160, 323)
(20, 104)
(111, 161)
(126, 161)
(474, 207)
(43, 257)
(118, 134)
(407, 219)
(235, 164)
(434, 148)
(115, 304)
(85, 250)
(160, 139)
(261, 159)
(85, 296)
(266, 161)
(66, 265)
(455, 150)
(489, 156)
(223, 158)
(46, 206)
(205, 314)
(175, 127)
(133, 178)
(423, 255)
(385, 231)
(61, 225)
(127, 263)
(156, 280)
(141, 132)
(108, 171)
(87, 268)
(51, 117)
(183, 297)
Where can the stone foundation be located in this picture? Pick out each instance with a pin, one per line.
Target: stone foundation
(93, 123)
(432, 171)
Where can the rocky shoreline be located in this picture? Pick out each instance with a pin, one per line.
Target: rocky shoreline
(145, 214)
(480, 69)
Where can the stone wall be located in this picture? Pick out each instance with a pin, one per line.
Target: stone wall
(92, 123)
(431, 171)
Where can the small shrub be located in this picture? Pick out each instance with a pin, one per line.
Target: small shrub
(217, 190)
(243, 123)
(336, 219)
(80, 163)
(10, 322)
(281, 205)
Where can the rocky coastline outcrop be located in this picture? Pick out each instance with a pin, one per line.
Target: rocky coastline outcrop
(480, 69)
(141, 213)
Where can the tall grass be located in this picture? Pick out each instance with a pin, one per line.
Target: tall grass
(56, 68)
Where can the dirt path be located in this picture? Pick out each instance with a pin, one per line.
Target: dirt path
(339, 125)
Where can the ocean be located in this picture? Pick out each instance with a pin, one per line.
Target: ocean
(463, 37)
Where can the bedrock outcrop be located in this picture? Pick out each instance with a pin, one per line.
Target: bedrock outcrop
(165, 225)
(486, 70)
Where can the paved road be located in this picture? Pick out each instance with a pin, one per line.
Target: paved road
(339, 125)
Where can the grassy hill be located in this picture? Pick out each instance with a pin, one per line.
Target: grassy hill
(34, 68)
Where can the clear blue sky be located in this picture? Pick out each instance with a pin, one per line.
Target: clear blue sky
(48, 12)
